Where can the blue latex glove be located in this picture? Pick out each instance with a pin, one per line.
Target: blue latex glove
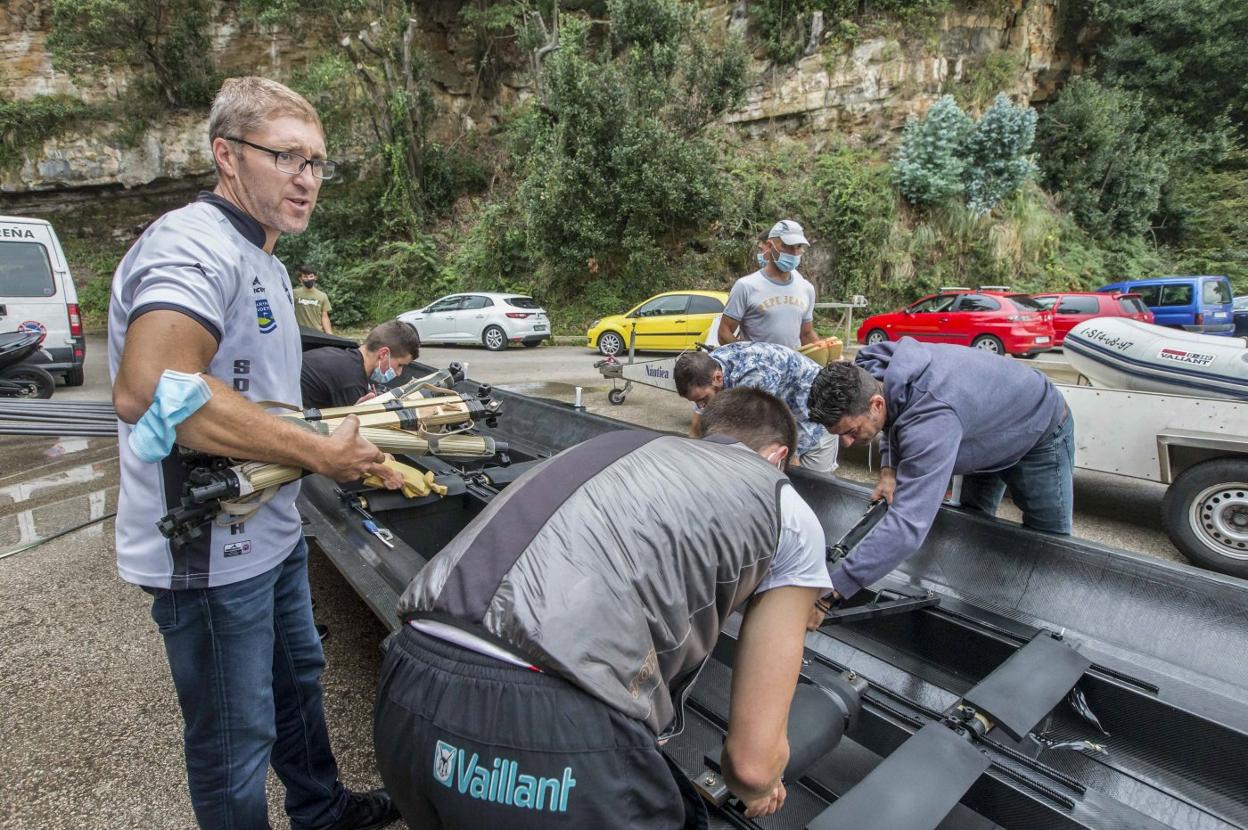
(178, 396)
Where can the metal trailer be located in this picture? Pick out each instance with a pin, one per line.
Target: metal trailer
(1197, 446)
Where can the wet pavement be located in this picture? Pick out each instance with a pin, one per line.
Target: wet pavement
(91, 733)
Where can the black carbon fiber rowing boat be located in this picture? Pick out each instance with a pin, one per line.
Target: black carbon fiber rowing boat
(1004, 678)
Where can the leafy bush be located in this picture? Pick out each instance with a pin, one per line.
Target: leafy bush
(169, 37)
(25, 125)
(855, 218)
(995, 154)
(1107, 158)
(929, 167)
(1186, 56)
(611, 170)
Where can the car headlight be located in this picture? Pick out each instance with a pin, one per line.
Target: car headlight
(594, 324)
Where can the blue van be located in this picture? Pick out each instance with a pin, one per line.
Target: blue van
(1200, 303)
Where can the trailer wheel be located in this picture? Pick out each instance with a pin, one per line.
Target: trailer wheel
(75, 377)
(1205, 513)
(616, 396)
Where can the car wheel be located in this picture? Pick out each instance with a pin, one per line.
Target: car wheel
(35, 381)
(876, 336)
(1205, 513)
(494, 338)
(988, 343)
(610, 343)
(75, 377)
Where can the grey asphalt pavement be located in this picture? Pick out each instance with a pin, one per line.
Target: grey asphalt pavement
(90, 735)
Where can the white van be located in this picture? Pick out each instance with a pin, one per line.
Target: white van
(36, 292)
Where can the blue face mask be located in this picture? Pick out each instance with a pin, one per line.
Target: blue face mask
(178, 396)
(762, 260)
(386, 376)
(788, 262)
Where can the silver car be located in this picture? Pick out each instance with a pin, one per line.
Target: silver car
(493, 319)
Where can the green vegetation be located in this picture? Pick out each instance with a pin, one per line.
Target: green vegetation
(946, 154)
(617, 179)
(168, 37)
(25, 125)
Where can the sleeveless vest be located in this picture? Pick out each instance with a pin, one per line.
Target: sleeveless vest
(613, 564)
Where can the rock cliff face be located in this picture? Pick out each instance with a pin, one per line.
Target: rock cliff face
(866, 89)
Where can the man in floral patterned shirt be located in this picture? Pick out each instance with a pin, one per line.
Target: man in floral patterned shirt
(770, 367)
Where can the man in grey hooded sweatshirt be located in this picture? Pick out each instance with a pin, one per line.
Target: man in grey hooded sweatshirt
(946, 410)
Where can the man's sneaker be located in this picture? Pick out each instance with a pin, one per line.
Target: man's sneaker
(367, 811)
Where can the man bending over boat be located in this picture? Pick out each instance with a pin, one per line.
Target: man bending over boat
(945, 410)
(549, 647)
(775, 369)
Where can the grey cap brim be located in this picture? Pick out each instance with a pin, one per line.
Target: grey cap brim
(794, 239)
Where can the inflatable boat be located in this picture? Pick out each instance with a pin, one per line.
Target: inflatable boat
(1114, 684)
(1120, 353)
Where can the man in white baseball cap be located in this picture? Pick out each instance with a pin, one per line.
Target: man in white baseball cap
(775, 304)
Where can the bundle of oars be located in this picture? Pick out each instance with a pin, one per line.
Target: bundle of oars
(406, 430)
(410, 425)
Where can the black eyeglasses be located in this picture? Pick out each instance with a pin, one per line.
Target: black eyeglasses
(292, 163)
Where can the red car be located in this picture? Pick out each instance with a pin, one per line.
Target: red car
(1000, 322)
(1073, 307)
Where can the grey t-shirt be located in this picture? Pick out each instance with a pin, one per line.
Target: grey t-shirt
(772, 312)
(195, 260)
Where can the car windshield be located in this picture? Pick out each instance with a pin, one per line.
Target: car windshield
(522, 302)
(1025, 302)
(1045, 302)
(24, 270)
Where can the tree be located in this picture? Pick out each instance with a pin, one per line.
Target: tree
(169, 37)
(1104, 155)
(995, 154)
(613, 163)
(1187, 56)
(928, 167)
(388, 70)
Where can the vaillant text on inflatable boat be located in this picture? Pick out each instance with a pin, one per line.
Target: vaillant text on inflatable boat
(1181, 356)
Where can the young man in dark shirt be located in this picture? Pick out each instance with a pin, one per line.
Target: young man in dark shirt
(334, 376)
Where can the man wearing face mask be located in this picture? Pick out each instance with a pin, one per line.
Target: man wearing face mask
(775, 304)
(312, 305)
(341, 377)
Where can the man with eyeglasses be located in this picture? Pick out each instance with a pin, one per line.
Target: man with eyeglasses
(775, 304)
(202, 324)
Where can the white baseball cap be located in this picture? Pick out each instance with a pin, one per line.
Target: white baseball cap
(790, 233)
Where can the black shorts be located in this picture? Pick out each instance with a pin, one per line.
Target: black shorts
(466, 742)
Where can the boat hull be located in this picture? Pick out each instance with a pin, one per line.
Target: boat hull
(1119, 353)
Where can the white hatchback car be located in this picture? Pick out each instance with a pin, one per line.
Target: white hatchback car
(494, 320)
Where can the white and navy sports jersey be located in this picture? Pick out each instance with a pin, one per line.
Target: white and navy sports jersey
(206, 261)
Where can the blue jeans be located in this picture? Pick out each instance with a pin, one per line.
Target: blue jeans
(247, 662)
(1041, 483)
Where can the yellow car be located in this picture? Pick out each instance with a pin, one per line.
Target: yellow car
(669, 322)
